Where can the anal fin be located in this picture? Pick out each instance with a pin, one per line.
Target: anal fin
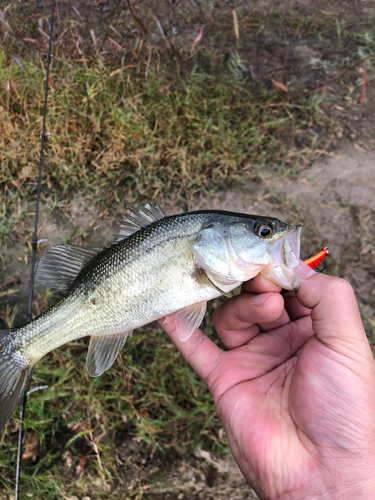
(103, 351)
(188, 319)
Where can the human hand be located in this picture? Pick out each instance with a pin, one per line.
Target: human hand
(295, 387)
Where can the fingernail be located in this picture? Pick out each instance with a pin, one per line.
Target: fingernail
(305, 271)
(259, 300)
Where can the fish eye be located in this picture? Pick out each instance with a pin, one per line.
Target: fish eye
(264, 230)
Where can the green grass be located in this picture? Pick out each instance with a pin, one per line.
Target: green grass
(121, 138)
(196, 122)
(154, 396)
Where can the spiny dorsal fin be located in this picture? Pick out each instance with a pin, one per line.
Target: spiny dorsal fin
(60, 265)
(138, 219)
(103, 351)
(188, 319)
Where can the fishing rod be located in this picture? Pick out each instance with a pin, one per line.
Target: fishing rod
(34, 246)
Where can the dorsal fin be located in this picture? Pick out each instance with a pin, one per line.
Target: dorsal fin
(138, 219)
(60, 265)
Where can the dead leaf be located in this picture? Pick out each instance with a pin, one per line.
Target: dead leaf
(27, 172)
(31, 40)
(74, 427)
(144, 414)
(206, 455)
(67, 458)
(80, 467)
(31, 450)
(3, 131)
(196, 40)
(164, 88)
(93, 38)
(120, 69)
(235, 24)
(12, 84)
(279, 85)
(115, 43)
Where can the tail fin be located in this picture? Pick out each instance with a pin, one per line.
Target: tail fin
(15, 374)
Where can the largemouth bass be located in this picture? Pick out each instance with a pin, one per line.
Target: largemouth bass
(160, 266)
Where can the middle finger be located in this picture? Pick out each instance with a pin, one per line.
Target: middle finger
(258, 285)
(236, 320)
(293, 307)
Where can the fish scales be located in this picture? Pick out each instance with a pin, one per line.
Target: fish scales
(114, 293)
(169, 267)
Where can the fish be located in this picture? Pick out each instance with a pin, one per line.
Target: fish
(159, 267)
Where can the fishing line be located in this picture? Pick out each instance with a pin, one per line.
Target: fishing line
(35, 245)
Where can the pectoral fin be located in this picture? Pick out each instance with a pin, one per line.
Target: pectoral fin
(103, 351)
(188, 319)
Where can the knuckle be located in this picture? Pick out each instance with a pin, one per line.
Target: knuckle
(341, 288)
(224, 318)
(197, 341)
(216, 383)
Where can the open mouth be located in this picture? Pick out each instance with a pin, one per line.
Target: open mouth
(291, 248)
(285, 252)
(285, 255)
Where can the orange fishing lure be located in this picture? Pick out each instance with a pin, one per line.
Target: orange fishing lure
(314, 261)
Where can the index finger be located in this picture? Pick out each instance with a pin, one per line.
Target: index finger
(199, 351)
(260, 284)
(293, 307)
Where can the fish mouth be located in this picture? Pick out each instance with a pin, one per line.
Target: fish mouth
(285, 259)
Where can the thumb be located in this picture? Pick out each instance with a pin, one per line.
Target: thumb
(335, 315)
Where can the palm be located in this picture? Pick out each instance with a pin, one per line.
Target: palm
(265, 393)
(289, 410)
(292, 406)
